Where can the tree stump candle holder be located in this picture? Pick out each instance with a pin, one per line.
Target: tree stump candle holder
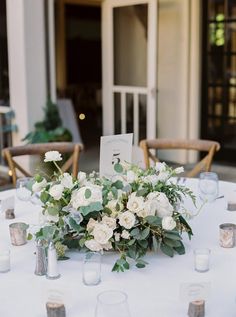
(9, 214)
(196, 309)
(55, 309)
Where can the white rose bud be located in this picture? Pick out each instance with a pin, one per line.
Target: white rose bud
(38, 186)
(127, 219)
(81, 177)
(56, 191)
(125, 234)
(117, 236)
(179, 170)
(91, 224)
(131, 177)
(168, 223)
(51, 156)
(67, 180)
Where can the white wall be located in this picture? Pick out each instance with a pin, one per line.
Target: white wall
(179, 74)
(27, 70)
(172, 68)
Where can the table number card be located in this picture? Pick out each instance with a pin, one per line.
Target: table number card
(194, 291)
(114, 149)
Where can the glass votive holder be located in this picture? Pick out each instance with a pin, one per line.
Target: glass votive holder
(201, 260)
(227, 235)
(208, 186)
(23, 188)
(4, 260)
(112, 303)
(92, 268)
(18, 233)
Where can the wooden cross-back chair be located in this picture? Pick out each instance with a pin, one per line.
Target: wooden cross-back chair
(39, 149)
(199, 145)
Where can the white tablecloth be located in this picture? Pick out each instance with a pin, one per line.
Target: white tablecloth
(152, 291)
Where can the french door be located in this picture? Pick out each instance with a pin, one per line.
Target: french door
(129, 55)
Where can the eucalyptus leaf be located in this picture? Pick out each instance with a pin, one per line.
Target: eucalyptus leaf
(87, 193)
(118, 168)
(167, 250)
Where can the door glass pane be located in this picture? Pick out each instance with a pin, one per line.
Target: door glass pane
(130, 45)
(215, 8)
(232, 9)
(231, 37)
(117, 112)
(142, 117)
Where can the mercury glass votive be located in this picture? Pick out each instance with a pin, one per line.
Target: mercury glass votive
(227, 235)
(201, 260)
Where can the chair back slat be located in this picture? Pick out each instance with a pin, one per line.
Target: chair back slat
(211, 147)
(39, 149)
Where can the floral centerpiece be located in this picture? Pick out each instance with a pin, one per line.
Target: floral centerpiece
(134, 211)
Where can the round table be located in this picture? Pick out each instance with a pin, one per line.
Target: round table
(152, 291)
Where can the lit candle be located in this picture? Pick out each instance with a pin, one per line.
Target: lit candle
(4, 261)
(91, 277)
(202, 260)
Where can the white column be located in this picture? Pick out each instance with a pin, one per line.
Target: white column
(27, 64)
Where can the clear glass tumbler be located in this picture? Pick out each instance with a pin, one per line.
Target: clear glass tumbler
(23, 188)
(92, 268)
(112, 303)
(201, 260)
(208, 186)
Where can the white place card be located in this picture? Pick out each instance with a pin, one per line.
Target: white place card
(7, 203)
(190, 292)
(114, 149)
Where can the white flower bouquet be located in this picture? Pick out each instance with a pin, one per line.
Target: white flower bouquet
(135, 211)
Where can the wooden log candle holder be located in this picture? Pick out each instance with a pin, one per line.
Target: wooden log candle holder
(55, 309)
(9, 214)
(196, 309)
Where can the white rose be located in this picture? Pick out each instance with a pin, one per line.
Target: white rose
(93, 245)
(153, 179)
(115, 206)
(107, 246)
(135, 203)
(127, 219)
(52, 156)
(110, 222)
(91, 224)
(131, 177)
(161, 204)
(150, 207)
(78, 198)
(102, 233)
(179, 170)
(168, 223)
(125, 234)
(117, 236)
(81, 177)
(38, 186)
(160, 167)
(56, 191)
(163, 176)
(67, 181)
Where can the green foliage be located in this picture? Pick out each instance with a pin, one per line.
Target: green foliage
(50, 129)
